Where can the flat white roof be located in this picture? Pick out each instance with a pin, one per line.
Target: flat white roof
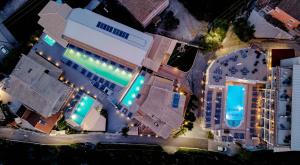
(295, 126)
(82, 26)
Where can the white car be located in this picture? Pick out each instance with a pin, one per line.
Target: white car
(222, 149)
(3, 50)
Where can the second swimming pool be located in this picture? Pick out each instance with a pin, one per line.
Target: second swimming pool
(235, 105)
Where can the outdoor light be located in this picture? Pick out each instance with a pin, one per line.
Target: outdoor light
(130, 102)
(73, 116)
(49, 58)
(97, 62)
(110, 67)
(82, 103)
(142, 81)
(133, 95)
(123, 72)
(117, 70)
(137, 88)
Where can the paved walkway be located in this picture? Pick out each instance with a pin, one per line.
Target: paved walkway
(38, 138)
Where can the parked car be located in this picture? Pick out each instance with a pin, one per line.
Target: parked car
(222, 149)
(3, 50)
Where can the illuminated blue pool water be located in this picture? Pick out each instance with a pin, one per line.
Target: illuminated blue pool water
(133, 91)
(235, 105)
(82, 108)
(50, 41)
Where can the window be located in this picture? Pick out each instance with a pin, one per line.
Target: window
(113, 30)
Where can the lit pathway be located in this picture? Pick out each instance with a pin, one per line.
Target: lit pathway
(38, 138)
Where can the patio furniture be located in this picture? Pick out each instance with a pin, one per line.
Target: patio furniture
(244, 71)
(244, 53)
(75, 66)
(233, 70)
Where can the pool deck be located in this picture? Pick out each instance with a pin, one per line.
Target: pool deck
(229, 70)
(238, 64)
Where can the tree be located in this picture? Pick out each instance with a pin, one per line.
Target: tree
(189, 126)
(190, 116)
(125, 131)
(170, 21)
(243, 29)
(62, 124)
(210, 135)
(104, 113)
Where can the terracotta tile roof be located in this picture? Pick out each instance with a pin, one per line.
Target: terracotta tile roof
(292, 7)
(144, 10)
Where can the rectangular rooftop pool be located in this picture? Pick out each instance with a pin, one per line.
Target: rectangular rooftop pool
(82, 108)
(235, 105)
(133, 91)
(100, 68)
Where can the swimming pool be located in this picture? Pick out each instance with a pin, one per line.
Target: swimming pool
(82, 108)
(103, 69)
(133, 91)
(235, 105)
(50, 41)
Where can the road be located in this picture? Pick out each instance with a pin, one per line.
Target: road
(38, 138)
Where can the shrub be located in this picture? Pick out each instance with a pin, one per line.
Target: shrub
(190, 116)
(210, 135)
(189, 126)
(243, 29)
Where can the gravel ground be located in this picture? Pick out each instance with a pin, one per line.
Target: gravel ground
(189, 27)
